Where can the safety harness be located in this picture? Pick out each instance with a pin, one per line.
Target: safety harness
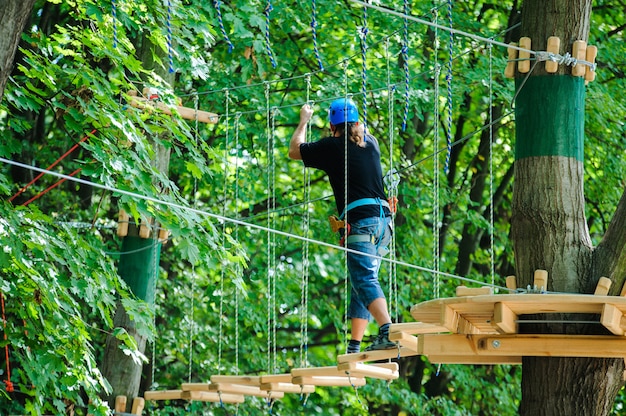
(341, 226)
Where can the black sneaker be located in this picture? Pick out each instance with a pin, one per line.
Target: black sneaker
(382, 343)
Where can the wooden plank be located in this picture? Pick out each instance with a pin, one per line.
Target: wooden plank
(414, 328)
(245, 390)
(163, 395)
(504, 319)
(330, 381)
(206, 396)
(245, 380)
(287, 387)
(366, 356)
(276, 378)
(195, 386)
(184, 112)
(316, 371)
(405, 340)
(365, 370)
(449, 318)
(446, 344)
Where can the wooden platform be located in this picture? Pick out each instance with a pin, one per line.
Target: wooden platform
(481, 328)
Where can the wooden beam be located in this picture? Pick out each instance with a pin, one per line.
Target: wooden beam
(475, 359)
(504, 319)
(606, 346)
(541, 279)
(184, 112)
(330, 381)
(365, 370)
(120, 404)
(163, 395)
(603, 286)
(611, 318)
(138, 404)
(276, 378)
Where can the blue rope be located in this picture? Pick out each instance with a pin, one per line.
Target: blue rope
(169, 36)
(449, 82)
(364, 31)
(268, 10)
(216, 3)
(114, 13)
(314, 26)
(405, 58)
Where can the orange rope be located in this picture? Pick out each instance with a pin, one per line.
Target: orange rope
(51, 166)
(59, 182)
(8, 382)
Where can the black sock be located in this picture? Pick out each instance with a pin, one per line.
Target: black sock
(384, 330)
(354, 346)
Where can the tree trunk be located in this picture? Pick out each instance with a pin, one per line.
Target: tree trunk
(13, 15)
(548, 226)
(138, 269)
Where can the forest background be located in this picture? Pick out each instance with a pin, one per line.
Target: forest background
(229, 297)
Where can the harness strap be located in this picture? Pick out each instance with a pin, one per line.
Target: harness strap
(363, 201)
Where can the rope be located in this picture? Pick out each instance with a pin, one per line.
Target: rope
(193, 265)
(9, 384)
(218, 9)
(363, 35)
(436, 211)
(63, 156)
(492, 259)
(51, 187)
(268, 48)
(449, 84)
(405, 59)
(114, 14)
(345, 202)
(392, 187)
(223, 238)
(236, 235)
(314, 27)
(306, 217)
(250, 225)
(169, 37)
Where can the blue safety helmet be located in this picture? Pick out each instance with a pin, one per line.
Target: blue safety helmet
(343, 110)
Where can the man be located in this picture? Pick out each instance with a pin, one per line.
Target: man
(366, 219)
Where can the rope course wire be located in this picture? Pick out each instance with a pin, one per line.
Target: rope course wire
(219, 217)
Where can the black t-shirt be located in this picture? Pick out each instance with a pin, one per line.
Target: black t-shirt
(365, 179)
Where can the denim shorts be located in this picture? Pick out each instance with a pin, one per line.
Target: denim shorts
(364, 269)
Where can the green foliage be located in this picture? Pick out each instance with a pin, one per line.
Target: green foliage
(211, 312)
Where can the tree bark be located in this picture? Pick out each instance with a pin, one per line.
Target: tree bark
(548, 227)
(13, 14)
